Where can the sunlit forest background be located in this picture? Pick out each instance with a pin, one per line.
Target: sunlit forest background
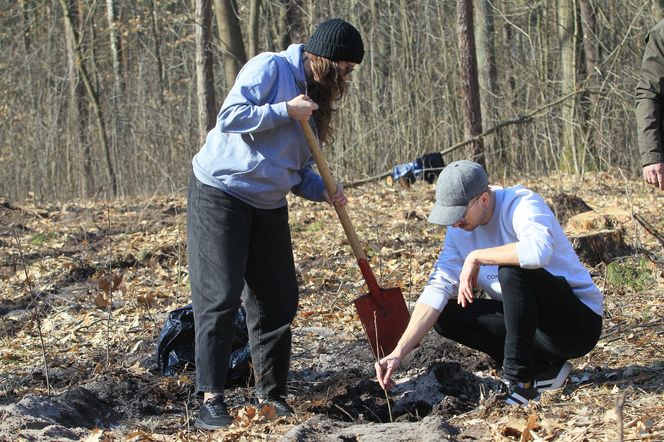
(105, 99)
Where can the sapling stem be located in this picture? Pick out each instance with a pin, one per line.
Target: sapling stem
(378, 353)
(37, 316)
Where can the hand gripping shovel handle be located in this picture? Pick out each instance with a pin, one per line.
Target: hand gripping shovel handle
(331, 187)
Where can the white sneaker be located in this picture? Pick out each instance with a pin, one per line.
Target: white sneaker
(553, 377)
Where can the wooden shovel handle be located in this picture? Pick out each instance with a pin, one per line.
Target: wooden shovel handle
(331, 187)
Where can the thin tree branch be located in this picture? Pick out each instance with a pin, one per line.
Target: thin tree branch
(650, 228)
(525, 118)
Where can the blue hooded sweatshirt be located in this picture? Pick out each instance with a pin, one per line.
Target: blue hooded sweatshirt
(256, 152)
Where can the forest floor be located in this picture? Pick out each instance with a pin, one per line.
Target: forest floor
(77, 343)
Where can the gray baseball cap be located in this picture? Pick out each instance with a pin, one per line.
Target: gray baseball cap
(457, 185)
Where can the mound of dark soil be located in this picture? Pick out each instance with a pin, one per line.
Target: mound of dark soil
(437, 380)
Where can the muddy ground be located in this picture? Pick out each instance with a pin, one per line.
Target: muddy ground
(79, 335)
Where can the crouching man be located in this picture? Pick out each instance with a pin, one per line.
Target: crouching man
(544, 307)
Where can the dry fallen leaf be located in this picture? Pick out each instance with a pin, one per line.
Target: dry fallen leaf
(268, 412)
(526, 436)
(510, 432)
(146, 299)
(533, 422)
(102, 300)
(109, 284)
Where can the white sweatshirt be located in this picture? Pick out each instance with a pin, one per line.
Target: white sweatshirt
(520, 216)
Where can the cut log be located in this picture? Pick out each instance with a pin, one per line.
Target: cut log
(41, 213)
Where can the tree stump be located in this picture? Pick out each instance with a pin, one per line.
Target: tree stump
(599, 236)
(603, 246)
(566, 206)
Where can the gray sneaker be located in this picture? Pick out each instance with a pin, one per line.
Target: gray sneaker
(213, 415)
(553, 377)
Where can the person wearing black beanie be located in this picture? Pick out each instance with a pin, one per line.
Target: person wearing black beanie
(238, 238)
(331, 54)
(336, 40)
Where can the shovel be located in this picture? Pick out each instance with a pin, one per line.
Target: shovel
(383, 312)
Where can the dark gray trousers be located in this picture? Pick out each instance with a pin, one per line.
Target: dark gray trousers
(231, 243)
(539, 322)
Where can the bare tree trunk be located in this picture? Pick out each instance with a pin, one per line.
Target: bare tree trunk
(284, 25)
(254, 15)
(78, 103)
(93, 95)
(589, 25)
(470, 84)
(291, 28)
(156, 35)
(204, 73)
(591, 52)
(25, 26)
(487, 75)
(34, 96)
(117, 129)
(116, 48)
(230, 37)
(511, 94)
(269, 25)
(567, 39)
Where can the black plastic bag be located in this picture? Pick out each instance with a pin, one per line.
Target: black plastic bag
(427, 167)
(431, 164)
(176, 349)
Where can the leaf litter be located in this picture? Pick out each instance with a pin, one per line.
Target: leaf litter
(103, 277)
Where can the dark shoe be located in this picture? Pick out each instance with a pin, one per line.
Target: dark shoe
(213, 415)
(520, 394)
(553, 377)
(280, 406)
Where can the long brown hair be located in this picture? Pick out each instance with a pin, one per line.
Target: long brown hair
(326, 90)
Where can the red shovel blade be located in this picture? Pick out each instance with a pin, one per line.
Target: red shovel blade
(384, 317)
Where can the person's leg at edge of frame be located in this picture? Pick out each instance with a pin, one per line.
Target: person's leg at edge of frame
(217, 238)
(272, 302)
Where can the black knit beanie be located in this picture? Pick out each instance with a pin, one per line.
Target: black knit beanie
(336, 40)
